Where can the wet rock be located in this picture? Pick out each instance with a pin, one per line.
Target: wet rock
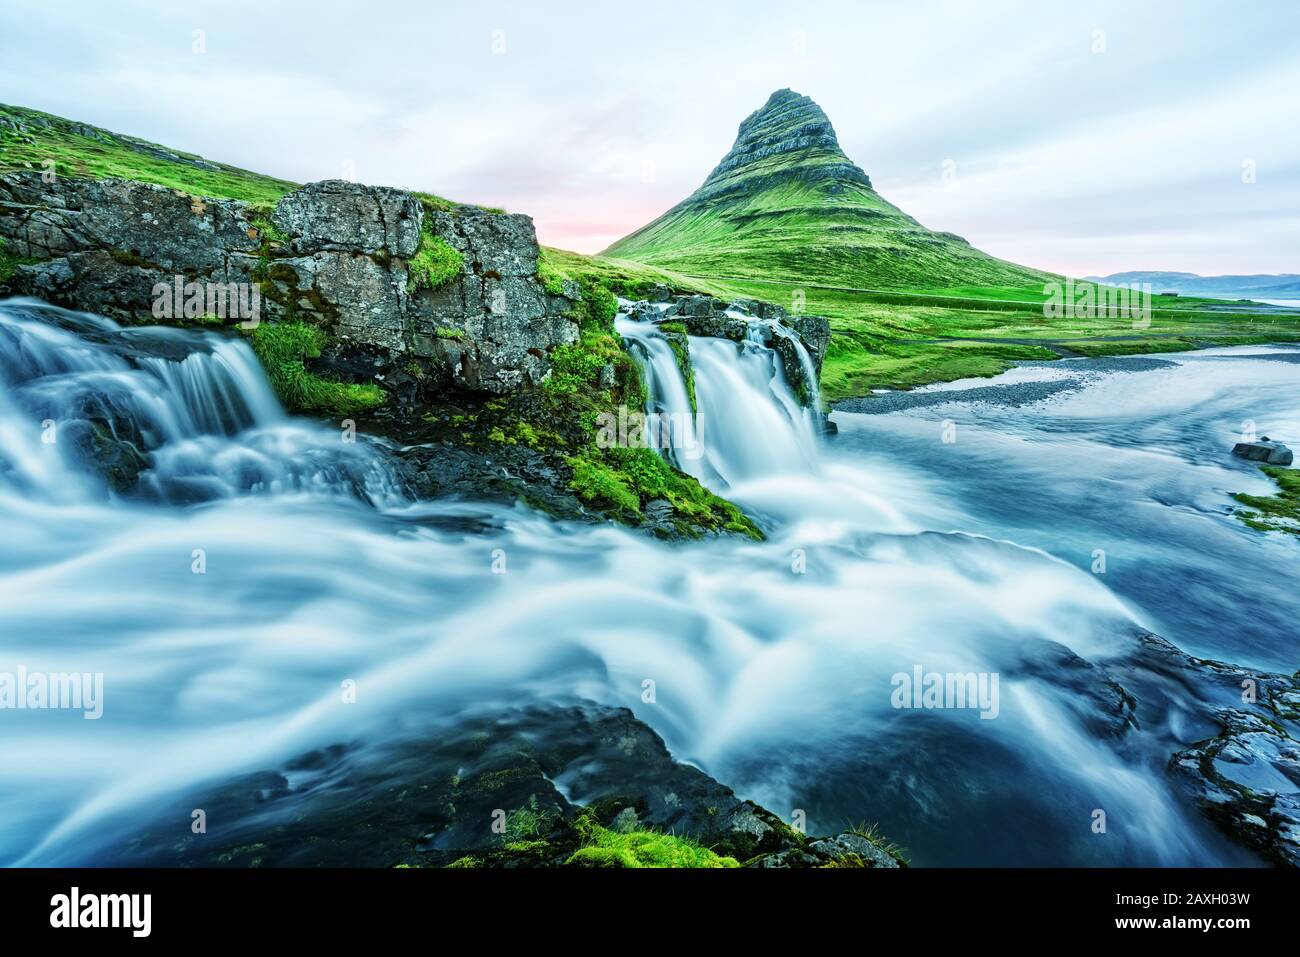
(501, 787)
(714, 324)
(1242, 763)
(644, 312)
(1247, 780)
(1264, 450)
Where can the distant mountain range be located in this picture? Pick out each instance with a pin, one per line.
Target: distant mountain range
(786, 203)
(1283, 286)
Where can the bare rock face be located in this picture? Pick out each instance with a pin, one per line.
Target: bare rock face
(342, 216)
(334, 254)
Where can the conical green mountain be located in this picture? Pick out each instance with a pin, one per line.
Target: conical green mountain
(787, 203)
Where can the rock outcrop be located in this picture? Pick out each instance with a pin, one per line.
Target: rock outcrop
(1240, 762)
(707, 316)
(335, 254)
(1264, 450)
(788, 125)
(519, 787)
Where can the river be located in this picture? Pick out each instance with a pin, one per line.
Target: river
(268, 563)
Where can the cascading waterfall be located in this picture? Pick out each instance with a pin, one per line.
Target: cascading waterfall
(195, 406)
(773, 674)
(747, 424)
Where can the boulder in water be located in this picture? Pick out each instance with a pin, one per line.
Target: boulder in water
(1264, 450)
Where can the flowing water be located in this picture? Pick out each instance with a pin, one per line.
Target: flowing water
(267, 561)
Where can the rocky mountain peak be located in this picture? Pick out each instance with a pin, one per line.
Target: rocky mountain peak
(789, 137)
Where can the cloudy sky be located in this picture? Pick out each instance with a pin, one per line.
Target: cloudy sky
(1085, 137)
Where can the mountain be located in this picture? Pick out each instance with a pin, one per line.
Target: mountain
(787, 203)
(1281, 286)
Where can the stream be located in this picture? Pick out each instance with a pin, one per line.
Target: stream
(266, 561)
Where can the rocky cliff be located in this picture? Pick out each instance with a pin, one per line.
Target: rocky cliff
(336, 254)
(428, 318)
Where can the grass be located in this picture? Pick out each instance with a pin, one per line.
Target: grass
(908, 306)
(434, 264)
(871, 832)
(85, 152)
(283, 348)
(1274, 513)
(629, 279)
(900, 341)
(605, 848)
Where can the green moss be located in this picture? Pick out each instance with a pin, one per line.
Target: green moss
(682, 353)
(605, 848)
(624, 479)
(1274, 513)
(283, 349)
(435, 263)
(268, 232)
(576, 368)
(599, 483)
(526, 824)
(466, 861)
(446, 332)
(9, 263)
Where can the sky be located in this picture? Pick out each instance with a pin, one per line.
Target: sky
(1077, 137)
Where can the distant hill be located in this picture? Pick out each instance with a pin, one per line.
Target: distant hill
(787, 203)
(1283, 286)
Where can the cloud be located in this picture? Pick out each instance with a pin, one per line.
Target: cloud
(596, 117)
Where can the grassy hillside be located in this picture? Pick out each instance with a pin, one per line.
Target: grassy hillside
(787, 217)
(30, 139)
(932, 309)
(786, 203)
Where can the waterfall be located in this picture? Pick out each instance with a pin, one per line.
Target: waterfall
(774, 660)
(748, 424)
(189, 414)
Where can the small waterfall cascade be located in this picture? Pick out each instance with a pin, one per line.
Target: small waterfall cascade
(747, 422)
(181, 416)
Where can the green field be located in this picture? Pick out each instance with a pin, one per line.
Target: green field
(788, 218)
